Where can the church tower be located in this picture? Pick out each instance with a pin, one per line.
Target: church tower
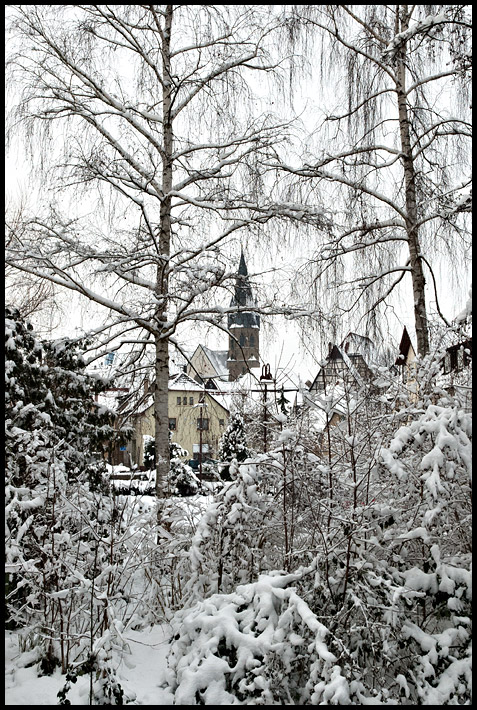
(243, 327)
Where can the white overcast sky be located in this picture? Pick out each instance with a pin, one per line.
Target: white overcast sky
(280, 342)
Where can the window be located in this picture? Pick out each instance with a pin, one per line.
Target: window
(172, 424)
(191, 401)
(196, 450)
(252, 341)
(179, 400)
(221, 422)
(205, 424)
(242, 341)
(184, 400)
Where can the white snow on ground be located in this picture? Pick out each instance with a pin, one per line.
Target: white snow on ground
(141, 674)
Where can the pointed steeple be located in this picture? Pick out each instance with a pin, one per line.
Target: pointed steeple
(244, 327)
(242, 270)
(243, 296)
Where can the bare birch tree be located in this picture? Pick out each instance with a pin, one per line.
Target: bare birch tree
(395, 160)
(152, 109)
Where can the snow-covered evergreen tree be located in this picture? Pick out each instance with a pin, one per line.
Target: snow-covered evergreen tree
(232, 444)
(61, 519)
(181, 480)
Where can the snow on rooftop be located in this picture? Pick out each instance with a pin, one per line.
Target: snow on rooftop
(218, 360)
(182, 381)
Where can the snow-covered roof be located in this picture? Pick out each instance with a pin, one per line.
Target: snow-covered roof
(218, 360)
(182, 381)
(225, 400)
(336, 401)
(110, 398)
(356, 344)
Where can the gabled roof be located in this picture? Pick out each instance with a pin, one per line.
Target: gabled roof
(404, 347)
(218, 360)
(355, 344)
(337, 353)
(182, 381)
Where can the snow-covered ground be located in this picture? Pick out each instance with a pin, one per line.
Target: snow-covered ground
(141, 674)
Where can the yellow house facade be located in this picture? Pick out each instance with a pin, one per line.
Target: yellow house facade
(197, 420)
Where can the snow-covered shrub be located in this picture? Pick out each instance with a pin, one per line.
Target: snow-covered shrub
(232, 445)
(149, 454)
(429, 544)
(292, 478)
(104, 687)
(184, 481)
(258, 645)
(227, 547)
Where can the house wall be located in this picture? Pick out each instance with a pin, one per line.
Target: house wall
(186, 433)
(409, 375)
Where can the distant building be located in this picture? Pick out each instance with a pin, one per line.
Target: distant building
(458, 357)
(406, 364)
(197, 418)
(243, 326)
(347, 363)
(406, 359)
(456, 377)
(205, 364)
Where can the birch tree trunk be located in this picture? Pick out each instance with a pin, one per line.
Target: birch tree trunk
(417, 274)
(145, 108)
(391, 161)
(161, 384)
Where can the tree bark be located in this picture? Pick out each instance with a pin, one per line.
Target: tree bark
(417, 274)
(161, 405)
